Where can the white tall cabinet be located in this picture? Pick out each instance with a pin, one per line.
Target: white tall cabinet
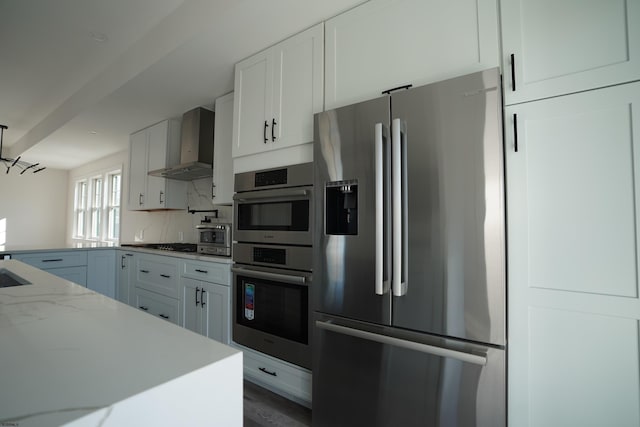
(222, 191)
(277, 91)
(572, 156)
(383, 44)
(555, 47)
(573, 261)
(155, 147)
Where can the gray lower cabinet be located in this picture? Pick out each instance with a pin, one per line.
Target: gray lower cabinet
(206, 298)
(125, 265)
(158, 305)
(70, 265)
(156, 286)
(101, 271)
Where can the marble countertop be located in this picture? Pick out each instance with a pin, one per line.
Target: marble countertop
(67, 351)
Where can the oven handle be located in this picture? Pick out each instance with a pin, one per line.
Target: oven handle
(269, 194)
(287, 278)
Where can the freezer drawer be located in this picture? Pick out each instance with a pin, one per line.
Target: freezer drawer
(369, 375)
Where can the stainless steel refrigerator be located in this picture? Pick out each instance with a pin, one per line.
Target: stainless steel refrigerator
(409, 265)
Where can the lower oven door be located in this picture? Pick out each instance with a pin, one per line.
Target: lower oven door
(271, 312)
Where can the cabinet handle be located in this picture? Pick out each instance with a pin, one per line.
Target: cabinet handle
(140, 199)
(272, 373)
(166, 276)
(164, 316)
(513, 72)
(144, 271)
(197, 291)
(201, 271)
(264, 132)
(142, 307)
(52, 260)
(202, 303)
(515, 132)
(273, 129)
(161, 199)
(122, 262)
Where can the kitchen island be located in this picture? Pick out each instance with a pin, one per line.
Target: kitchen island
(72, 356)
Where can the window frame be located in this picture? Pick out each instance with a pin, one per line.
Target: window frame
(99, 207)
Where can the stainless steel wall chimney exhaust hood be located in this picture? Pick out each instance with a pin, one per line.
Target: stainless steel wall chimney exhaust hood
(196, 148)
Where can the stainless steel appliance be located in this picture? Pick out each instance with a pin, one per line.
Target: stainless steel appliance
(274, 205)
(271, 296)
(273, 223)
(196, 148)
(409, 259)
(214, 239)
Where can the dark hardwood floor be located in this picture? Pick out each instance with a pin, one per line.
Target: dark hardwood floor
(264, 408)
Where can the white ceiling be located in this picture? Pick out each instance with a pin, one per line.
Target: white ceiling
(69, 99)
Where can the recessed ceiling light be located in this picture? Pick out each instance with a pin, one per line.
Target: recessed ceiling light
(93, 132)
(99, 37)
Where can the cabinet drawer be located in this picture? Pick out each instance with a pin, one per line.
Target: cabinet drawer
(158, 305)
(158, 274)
(47, 260)
(279, 376)
(207, 272)
(77, 275)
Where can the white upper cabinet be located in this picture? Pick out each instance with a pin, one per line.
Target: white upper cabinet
(384, 44)
(277, 91)
(574, 307)
(152, 148)
(222, 161)
(553, 47)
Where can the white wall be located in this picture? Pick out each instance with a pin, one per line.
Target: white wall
(151, 226)
(35, 207)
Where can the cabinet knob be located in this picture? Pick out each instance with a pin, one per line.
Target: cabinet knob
(142, 307)
(164, 316)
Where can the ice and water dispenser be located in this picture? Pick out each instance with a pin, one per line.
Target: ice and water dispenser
(341, 207)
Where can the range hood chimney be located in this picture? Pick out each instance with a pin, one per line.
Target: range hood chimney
(196, 148)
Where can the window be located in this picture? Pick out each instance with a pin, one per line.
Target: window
(79, 208)
(113, 207)
(97, 207)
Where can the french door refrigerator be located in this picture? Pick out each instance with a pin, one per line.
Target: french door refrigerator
(409, 259)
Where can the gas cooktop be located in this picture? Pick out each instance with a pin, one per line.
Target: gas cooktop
(177, 247)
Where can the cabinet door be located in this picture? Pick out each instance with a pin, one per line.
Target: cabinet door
(383, 44)
(222, 161)
(137, 170)
(567, 46)
(297, 88)
(215, 311)
(192, 313)
(126, 267)
(572, 194)
(101, 271)
(157, 154)
(252, 104)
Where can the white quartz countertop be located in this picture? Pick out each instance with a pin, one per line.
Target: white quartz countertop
(67, 351)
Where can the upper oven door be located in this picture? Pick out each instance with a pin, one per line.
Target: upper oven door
(282, 216)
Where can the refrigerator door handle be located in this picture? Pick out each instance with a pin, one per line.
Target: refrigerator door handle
(381, 284)
(398, 342)
(398, 178)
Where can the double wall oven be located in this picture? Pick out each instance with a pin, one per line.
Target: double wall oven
(272, 253)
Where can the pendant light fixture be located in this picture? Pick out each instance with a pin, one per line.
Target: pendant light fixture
(20, 164)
